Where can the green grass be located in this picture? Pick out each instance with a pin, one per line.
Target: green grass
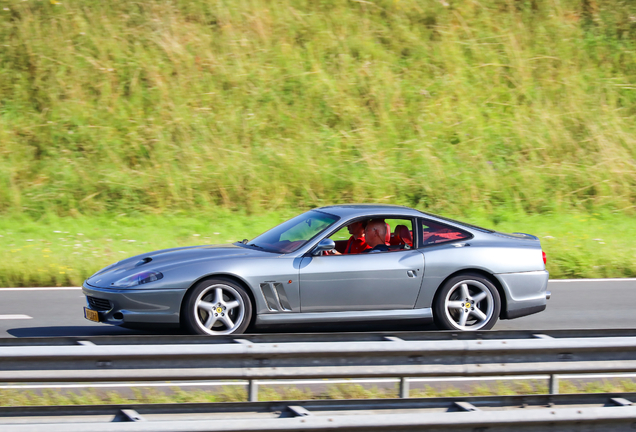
(18, 397)
(258, 105)
(53, 251)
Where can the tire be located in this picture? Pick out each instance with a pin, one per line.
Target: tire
(467, 302)
(216, 307)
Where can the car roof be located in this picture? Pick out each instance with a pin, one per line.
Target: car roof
(350, 211)
(355, 210)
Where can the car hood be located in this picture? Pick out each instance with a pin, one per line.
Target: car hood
(164, 260)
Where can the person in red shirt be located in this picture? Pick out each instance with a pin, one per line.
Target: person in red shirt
(357, 243)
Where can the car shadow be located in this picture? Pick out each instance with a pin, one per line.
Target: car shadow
(79, 331)
(63, 331)
(344, 327)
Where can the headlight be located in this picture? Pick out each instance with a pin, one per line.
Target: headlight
(104, 269)
(140, 278)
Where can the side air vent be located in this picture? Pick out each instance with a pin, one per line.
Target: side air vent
(275, 296)
(282, 296)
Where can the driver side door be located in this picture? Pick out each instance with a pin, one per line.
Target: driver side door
(361, 282)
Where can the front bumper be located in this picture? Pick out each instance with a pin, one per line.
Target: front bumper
(135, 306)
(526, 293)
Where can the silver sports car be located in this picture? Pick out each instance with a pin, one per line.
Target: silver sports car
(336, 264)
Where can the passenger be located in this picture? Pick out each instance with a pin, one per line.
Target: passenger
(356, 243)
(375, 235)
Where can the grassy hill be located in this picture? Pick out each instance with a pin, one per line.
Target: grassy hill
(164, 123)
(453, 106)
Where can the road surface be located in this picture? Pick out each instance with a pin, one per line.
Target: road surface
(575, 304)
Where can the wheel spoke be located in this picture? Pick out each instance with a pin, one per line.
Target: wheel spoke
(228, 321)
(210, 321)
(479, 297)
(206, 306)
(463, 316)
(464, 291)
(479, 314)
(455, 304)
(232, 304)
(218, 295)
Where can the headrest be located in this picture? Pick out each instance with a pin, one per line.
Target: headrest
(405, 234)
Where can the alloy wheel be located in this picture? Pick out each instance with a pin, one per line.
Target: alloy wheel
(469, 305)
(219, 309)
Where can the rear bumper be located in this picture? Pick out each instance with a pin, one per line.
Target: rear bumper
(526, 293)
(142, 306)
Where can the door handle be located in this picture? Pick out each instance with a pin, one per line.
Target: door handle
(411, 273)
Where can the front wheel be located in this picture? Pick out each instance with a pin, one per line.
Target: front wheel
(216, 307)
(467, 302)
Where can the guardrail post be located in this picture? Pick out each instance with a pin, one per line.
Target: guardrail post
(554, 384)
(404, 388)
(252, 391)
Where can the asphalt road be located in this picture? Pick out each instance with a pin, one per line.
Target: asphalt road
(580, 304)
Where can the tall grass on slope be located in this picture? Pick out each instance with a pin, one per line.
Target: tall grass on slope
(446, 105)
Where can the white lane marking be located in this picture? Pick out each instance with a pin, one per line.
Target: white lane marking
(42, 289)
(14, 317)
(593, 280)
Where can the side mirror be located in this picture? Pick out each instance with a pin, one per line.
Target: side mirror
(324, 245)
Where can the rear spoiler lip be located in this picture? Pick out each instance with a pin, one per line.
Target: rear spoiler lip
(528, 235)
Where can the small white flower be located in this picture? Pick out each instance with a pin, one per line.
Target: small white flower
(80, 234)
(548, 237)
(131, 241)
(196, 235)
(217, 233)
(29, 240)
(57, 231)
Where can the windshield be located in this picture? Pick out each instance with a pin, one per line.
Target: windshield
(295, 233)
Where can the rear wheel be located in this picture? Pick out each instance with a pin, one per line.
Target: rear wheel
(216, 307)
(467, 302)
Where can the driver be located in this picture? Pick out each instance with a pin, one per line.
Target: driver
(356, 243)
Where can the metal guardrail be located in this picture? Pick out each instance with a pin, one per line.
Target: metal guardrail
(243, 359)
(605, 412)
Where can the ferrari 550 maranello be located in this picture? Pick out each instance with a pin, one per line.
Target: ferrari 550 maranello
(343, 263)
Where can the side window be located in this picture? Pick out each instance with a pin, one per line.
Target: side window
(435, 232)
(362, 235)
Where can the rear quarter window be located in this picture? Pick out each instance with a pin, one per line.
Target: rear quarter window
(436, 233)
